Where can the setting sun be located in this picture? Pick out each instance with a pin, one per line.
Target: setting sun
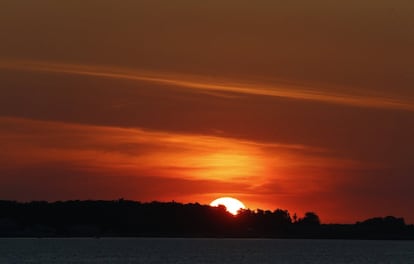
(232, 205)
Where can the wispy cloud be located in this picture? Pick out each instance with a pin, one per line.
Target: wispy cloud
(135, 151)
(132, 151)
(217, 86)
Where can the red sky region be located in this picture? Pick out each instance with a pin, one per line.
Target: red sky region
(266, 102)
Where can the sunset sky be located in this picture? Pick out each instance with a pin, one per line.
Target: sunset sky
(300, 105)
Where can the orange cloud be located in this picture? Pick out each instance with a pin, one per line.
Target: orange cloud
(129, 150)
(182, 155)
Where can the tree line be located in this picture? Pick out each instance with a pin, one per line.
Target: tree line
(159, 219)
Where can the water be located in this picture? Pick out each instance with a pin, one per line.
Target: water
(183, 251)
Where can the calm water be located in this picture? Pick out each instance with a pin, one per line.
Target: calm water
(120, 250)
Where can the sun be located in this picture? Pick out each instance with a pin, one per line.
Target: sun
(232, 205)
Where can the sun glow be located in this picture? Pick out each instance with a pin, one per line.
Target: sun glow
(222, 165)
(232, 205)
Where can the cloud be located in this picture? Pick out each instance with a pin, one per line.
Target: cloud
(205, 85)
(138, 152)
(55, 160)
(133, 151)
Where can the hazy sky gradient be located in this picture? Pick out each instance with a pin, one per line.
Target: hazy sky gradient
(298, 105)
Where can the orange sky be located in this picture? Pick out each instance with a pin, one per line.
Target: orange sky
(300, 106)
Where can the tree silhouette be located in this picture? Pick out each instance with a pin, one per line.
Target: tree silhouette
(128, 218)
(310, 218)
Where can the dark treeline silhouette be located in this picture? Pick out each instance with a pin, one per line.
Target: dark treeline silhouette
(156, 219)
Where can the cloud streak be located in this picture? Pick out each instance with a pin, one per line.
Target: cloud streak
(133, 151)
(136, 152)
(224, 86)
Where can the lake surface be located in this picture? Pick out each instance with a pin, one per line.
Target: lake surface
(162, 250)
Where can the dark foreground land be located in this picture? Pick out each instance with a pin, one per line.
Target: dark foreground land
(134, 219)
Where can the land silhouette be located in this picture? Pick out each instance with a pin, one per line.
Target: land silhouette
(123, 218)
